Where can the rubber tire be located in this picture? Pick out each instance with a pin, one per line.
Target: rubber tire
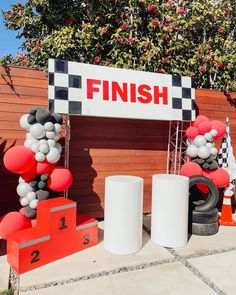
(205, 217)
(205, 229)
(213, 196)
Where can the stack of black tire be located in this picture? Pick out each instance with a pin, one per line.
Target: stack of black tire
(203, 214)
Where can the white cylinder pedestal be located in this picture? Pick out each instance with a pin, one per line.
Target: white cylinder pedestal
(123, 214)
(170, 199)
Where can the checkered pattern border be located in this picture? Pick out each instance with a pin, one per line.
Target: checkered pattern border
(65, 92)
(224, 155)
(183, 97)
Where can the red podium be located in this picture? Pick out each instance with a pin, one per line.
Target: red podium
(58, 233)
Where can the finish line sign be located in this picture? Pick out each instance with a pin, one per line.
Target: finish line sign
(90, 90)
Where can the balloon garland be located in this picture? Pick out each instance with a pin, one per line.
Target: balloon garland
(36, 161)
(203, 153)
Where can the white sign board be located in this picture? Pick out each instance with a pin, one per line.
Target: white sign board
(90, 90)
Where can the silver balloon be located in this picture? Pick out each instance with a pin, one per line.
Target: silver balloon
(43, 141)
(203, 152)
(57, 127)
(214, 151)
(59, 147)
(209, 145)
(37, 131)
(40, 157)
(35, 147)
(48, 126)
(24, 202)
(24, 123)
(192, 151)
(21, 180)
(57, 136)
(29, 136)
(208, 136)
(44, 148)
(213, 132)
(51, 142)
(31, 196)
(53, 155)
(50, 134)
(23, 189)
(199, 141)
(34, 204)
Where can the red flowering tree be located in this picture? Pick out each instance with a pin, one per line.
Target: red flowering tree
(195, 38)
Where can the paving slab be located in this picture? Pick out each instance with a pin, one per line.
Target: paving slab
(225, 239)
(168, 279)
(4, 273)
(220, 269)
(93, 260)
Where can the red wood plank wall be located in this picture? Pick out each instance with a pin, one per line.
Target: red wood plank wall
(99, 146)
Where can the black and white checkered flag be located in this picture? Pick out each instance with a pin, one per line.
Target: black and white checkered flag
(226, 159)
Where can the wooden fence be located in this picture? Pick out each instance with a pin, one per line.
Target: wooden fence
(99, 146)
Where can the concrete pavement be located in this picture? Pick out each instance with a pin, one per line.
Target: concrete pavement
(207, 265)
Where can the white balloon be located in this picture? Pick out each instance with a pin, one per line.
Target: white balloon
(48, 126)
(21, 180)
(29, 136)
(203, 152)
(50, 134)
(43, 141)
(37, 131)
(214, 151)
(189, 142)
(28, 142)
(199, 141)
(35, 147)
(31, 196)
(208, 136)
(57, 136)
(44, 148)
(24, 202)
(34, 204)
(23, 189)
(213, 132)
(59, 147)
(209, 145)
(57, 127)
(24, 123)
(192, 151)
(51, 142)
(40, 157)
(53, 155)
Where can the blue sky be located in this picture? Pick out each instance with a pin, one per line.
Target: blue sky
(9, 43)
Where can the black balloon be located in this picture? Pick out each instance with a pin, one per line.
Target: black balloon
(31, 119)
(201, 161)
(29, 212)
(32, 112)
(213, 166)
(42, 195)
(42, 184)
(205, 166)
(43, 116)
(44, 177)
(209, 160)
(33, 183)
(56, 118)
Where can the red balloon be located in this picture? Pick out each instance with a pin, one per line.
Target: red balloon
(192, 132)
(45, 167)
(60, 179)
(19, 159)
(199, 119)
(220, 177)
(29, 175)
(204, 127)
(219, 127)
(191, 169)
(203, 188)
(207, 173)
(13, 222)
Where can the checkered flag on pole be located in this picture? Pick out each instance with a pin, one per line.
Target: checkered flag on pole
(226, 159)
